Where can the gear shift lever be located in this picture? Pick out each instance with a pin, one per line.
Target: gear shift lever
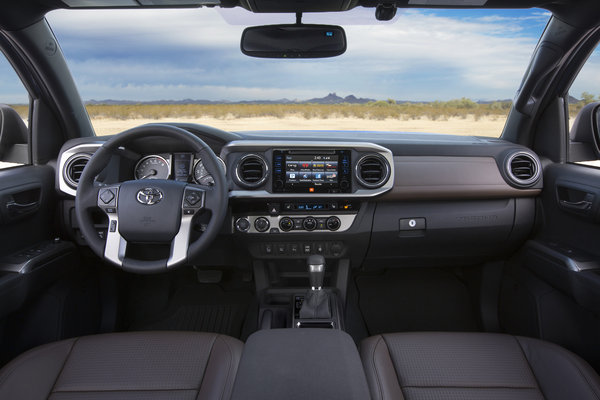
(316, 302)
(316, 271)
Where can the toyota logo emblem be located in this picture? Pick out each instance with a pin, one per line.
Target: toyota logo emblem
(149, 196)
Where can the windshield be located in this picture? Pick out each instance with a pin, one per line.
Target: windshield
(439, 71)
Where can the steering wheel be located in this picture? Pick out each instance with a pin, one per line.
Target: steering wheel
(150, 211)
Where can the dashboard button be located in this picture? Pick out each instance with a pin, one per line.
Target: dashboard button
(309, 223)
(333, 223)
(294, 249)
(268, 248)
(412, 224)
(281, 248)
(242, 224)
(261, 224)
(286, 224)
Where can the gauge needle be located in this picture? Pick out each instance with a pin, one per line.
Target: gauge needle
(152, 173)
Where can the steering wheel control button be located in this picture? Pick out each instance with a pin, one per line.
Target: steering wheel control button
(412, 224)
(192, 198)
(286, 224)
(113, 226)
(107, 196)
(188, 211)
(242, 224)
(309, 224)
(261, 224)
(333, 223)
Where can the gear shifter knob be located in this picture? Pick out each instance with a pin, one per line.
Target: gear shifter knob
(316, 271)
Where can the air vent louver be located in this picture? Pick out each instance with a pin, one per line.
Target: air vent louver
(372, 171)
(74, 168)
(251, 171)
(523, 169)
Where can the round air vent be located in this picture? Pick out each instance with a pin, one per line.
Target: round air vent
(523, 169)
(251, 171)
(74, 168)
(372, 171)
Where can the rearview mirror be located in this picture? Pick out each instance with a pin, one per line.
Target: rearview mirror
(293, 41)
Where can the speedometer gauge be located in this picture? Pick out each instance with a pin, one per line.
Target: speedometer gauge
(152, 167)
(201, 174)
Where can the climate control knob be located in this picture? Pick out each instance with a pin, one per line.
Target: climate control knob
(333, 223)
(261, 224)
(286, 224)
(309, 224)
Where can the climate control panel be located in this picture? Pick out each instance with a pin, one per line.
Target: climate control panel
(293, 223)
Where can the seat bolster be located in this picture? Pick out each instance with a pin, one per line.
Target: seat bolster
(379, 369)
(560, 374)
(33, 374)
(221, 368)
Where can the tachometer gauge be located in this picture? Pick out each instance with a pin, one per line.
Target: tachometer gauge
(152, 167)
(201, 175)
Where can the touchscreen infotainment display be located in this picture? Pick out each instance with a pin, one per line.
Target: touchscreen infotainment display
(299, 171)
(311, 169)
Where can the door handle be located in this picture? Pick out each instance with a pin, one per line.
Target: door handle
(18, 209)
(582, 205)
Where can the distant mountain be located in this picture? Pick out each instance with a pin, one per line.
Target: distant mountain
(331, 98)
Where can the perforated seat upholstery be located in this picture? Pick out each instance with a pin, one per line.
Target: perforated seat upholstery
(136, 365)
(478, 366)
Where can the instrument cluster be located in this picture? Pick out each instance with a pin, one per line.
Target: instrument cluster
(178, 166)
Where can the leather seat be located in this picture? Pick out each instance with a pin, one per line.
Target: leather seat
(473, 366)
(136, 365)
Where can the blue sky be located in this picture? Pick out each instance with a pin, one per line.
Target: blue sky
(179, 54)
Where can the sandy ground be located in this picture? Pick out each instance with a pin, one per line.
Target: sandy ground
(456, 126)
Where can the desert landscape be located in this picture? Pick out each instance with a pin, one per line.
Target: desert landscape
(487, 126)
(459, 117)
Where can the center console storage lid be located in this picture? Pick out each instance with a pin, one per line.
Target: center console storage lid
(300, 364)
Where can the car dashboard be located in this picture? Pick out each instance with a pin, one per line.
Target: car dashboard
(375, 199)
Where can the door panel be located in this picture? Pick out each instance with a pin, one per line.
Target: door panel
(552, 287)
(27, 204)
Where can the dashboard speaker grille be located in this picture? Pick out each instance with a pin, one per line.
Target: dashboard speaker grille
(523, 169)
(252, 171)
(372, 171)
(74, 168)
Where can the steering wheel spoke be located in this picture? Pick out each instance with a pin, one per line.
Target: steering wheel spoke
(193, 201)
(107, 199)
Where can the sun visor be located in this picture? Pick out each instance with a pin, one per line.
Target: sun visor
(448, 3)
(138, 3)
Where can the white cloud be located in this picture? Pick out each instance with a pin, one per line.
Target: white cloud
(190, 53)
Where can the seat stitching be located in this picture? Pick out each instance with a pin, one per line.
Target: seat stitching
(374, 365)
(529, 365)
(212, 346)
(471, 387)
(230, 365)
(400, 385)
(574, 364)
(64, 364)
(124, 390)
